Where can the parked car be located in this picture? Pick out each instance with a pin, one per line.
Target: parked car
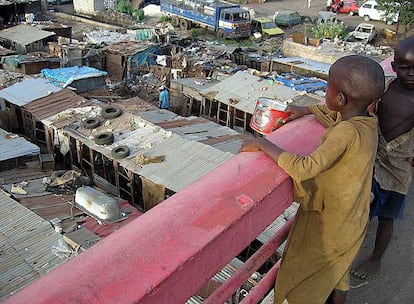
(369, 11)
(265, 26)
(365, 32)
(287, 18)
(350, 7)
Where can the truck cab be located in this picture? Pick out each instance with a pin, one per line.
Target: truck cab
(227, 20)
(234, 22)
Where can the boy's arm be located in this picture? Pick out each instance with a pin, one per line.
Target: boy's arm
(261, 144)
(302, 168)
(325, 116)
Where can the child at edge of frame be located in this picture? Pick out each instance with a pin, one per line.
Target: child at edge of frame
(332, 186)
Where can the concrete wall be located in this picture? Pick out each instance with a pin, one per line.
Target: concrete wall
(88, 7)
(293, 49)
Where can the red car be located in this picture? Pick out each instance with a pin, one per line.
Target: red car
(345, 6)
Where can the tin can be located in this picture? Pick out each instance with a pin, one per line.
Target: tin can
(268, 115)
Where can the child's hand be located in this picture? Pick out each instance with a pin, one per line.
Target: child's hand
(296, 112)
(250, 145)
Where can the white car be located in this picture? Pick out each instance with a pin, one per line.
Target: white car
(369, 11)
(363, 32)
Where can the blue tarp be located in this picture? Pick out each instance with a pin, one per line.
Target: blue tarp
(301, 83)
(68, 75)
(143, 58)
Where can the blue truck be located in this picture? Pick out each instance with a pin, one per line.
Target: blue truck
(226, 19)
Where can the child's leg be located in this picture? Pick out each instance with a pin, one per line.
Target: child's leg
(382, 240)
(336, 297)
(372, 266)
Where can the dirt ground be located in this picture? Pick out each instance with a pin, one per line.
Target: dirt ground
(261, 10)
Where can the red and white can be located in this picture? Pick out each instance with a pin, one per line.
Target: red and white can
(268, 115)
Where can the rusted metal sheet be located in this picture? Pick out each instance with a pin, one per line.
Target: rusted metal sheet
(55, 103)
(105, 230)
(135, 105)
(115, 65)
(31, 171)
(51, 206)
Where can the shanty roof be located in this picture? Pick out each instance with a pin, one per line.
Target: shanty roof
(28, 90)
(13, 146)
(27, 243)
(242, 90)
(55, 103)
(12, 2)
(67, 75)
(128, 47)
(305, 63)
(24, 34)
(184, 160)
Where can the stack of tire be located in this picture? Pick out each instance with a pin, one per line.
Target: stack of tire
(107, 138)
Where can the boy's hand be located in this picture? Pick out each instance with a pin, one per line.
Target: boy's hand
(296, 112)
(250, 145)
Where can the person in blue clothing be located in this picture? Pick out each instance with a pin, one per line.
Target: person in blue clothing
(164, 98)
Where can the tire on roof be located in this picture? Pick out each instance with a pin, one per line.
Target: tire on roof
(110, 112)
(91, 123)
(104, 138)
(120, 152)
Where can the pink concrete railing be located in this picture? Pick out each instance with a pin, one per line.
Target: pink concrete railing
(170, 252)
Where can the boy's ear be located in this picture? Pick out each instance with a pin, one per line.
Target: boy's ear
(342, 100)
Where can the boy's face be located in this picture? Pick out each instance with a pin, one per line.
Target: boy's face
(403, 66)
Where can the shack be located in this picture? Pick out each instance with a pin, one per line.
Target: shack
(31, 63)
(35, 111)
(81, 79)
(25, 39)
(19, 94)
(140, 161)
(232, 101)
(16, 151)
(126, 58)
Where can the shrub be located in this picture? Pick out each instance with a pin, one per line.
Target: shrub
(329, 30)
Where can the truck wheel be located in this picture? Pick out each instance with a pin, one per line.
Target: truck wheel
(220, 33)
(351, 13)
(366, 18)
(175, 21)
(183, 24)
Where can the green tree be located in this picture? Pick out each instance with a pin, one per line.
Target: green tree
(404, 9)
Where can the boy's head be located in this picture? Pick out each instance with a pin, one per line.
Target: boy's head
(403, 64)
(354, 82)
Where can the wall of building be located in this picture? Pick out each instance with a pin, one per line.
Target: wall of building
(293, 49)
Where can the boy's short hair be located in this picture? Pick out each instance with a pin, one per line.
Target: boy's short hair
(360, 78)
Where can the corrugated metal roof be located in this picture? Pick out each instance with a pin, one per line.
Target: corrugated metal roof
(246, 89)
(31, 171)
(304, 63)
(184, 160)
(24, 34)
(278, 223)
(194, 83)
(26, 243)
(13, 147)
(222, 276)
(129, 47)
(28, 90)
(55, 103)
